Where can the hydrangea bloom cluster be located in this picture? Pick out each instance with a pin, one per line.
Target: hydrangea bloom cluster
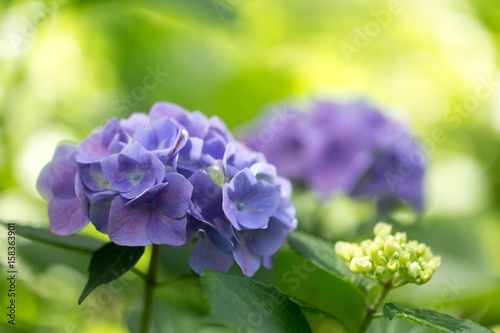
(167, 178)
(390, 258)
(350, 147)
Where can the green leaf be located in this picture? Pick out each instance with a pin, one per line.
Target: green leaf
(109, 263)
(323, 255)
(309, 309)
(432, 319)
(72, 242)
(298, 277)
(252, 305)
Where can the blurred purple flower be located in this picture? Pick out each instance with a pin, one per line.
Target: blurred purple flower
(348, 147)
(397, 173)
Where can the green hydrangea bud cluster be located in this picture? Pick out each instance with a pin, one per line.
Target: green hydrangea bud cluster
(390, 258)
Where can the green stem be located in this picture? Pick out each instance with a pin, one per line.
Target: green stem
(372, 309)
(150, 282)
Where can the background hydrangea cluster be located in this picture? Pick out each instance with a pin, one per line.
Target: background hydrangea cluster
(390, 258)
(351, 147)
(167, 178)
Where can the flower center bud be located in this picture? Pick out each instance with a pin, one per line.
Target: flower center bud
(240, 206)
(152, 206)
(136, 176)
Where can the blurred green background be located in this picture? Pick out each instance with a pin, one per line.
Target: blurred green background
(67, 66)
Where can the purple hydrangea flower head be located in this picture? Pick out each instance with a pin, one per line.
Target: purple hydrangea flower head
(172, 177)
(346, 147)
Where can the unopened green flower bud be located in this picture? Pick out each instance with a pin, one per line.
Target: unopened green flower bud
(381, 259)
(357, 251)
(366, 243)
(391, 246)
(400, 237)
(435, 262)
(426, 275)
(411, 247)
(382, 229)
(379, 242)
(216, 172)
(360, 265)
(404, 258)
(344, 250)
(393, 265)
(414, 271)
(372, 251)
(421, 249)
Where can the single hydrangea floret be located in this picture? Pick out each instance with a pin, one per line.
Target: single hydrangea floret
(390, 259)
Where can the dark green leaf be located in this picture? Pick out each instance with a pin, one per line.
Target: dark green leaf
(312, 310)
(436, 320)
(303, 280)
(323, 255)
(109, 263)
(72, 242)
(252, 305)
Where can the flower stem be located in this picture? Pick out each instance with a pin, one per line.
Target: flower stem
(150, 282)
(372, 309)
